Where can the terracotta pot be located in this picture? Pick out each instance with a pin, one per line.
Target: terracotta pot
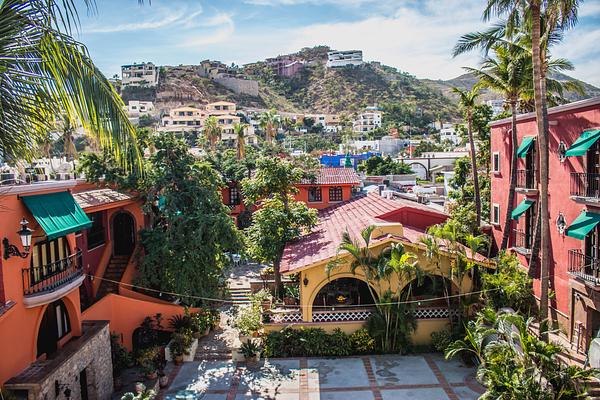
(252, 362)
(266, 305)
(178, 360)
(163, 381)
(152, 375)
(289, 301)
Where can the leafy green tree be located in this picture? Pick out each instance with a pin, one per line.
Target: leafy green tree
(280, 217)
(378, 165)
(425, 146)
(508, 285)
(278, 221)
(45, 73)
(184, 249)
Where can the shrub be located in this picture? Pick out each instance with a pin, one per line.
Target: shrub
(508, 285)
(248, 319)
(315, 342)
(149, 359)
(121, 358)
(441, 340)
(361, 342)
(181, 343)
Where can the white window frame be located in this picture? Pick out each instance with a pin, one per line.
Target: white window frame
(495, 155)
(495, 221)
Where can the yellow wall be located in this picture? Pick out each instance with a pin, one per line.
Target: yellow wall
(317, 275)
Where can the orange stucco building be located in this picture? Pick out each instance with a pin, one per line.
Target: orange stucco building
(59, 298)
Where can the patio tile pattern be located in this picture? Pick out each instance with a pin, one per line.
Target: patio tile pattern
(386, 377)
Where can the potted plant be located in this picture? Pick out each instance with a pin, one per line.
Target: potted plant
(121, 359)
(267, 273)
(149, 360)
(292, 295)
(180, 345)
(143, 394)
(248, 320)
(251, 352)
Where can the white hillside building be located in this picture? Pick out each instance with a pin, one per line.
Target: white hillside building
(336, 59)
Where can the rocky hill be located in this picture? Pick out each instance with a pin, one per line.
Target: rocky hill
(318, 89)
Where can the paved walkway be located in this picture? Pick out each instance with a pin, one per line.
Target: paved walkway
(420, 377)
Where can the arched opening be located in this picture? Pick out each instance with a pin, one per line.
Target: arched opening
(343, 292)
(123, 234)
(433, 291)
(54, 326)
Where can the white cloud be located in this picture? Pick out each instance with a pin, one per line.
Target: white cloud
(221, 30)
(353, 3)
(179, 17)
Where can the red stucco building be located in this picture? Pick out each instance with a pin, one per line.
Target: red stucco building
(574, 209)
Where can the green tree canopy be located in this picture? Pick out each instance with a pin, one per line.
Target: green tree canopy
(378, 165)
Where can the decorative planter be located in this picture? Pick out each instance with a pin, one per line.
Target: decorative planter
(186, 358)
(163, 381)
(289, 301)
(178, 360)
(152, 375)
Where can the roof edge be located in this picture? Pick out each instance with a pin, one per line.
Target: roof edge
(553, 110)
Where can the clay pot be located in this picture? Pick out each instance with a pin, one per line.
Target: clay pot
(152, 375)
(178, 360)
(163, 381)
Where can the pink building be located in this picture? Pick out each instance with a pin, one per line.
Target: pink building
(574, 209)
(287, 66)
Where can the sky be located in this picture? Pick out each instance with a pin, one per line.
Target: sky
(415, 36)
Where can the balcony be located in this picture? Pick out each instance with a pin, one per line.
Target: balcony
(49, 282)
(585, 187)
(522, 241)
(526, 181)
(584, 267)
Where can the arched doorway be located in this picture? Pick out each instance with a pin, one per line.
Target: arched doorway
(343, 292)
(54, 326)
(433, 290)
(123, 234)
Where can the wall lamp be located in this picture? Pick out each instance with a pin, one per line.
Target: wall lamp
(305, 281)
(561, 223)
(25, 233)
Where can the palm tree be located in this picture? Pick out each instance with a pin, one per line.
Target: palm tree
(212, 131)
(239, 131)
(466, 100)
(559, 15)
(269, 121)
(44, 73)
(509, 74)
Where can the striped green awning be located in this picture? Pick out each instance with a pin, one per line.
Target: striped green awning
(57, 213)
(521, 209)
(583, 225)
(525, 146)
(583, 143)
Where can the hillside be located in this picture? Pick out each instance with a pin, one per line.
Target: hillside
(468, 80)
(351, 89)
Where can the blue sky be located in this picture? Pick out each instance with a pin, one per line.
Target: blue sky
(413, 35)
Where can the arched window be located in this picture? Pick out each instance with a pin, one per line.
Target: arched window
(54, 326)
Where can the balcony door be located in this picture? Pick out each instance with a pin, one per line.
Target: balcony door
(123, 234)
(593, 171)
(529, 226)
(592, 251)
(530, 168)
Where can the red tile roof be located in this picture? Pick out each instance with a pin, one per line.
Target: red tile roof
(352, 216)
(334, 176)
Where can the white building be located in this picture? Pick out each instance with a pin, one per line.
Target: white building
(448, 132)
(496, 105)
(144, 74)
(136, 108)
(336, 59)
(183, 119)
(433, 162)
(367, 121)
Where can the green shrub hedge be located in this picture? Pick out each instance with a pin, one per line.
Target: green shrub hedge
(315, 342)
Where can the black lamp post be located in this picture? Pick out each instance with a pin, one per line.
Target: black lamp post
(25, 234)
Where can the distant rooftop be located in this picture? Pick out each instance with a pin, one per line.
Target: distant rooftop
(334, 176)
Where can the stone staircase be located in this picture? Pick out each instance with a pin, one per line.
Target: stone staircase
(219, 343)
(594, 389)
(239, 296)
(114, 272)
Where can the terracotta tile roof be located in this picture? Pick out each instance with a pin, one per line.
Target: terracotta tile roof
(100, 197)
(352, 216)
(334, 176)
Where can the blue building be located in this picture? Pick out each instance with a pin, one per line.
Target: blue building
(339, 160)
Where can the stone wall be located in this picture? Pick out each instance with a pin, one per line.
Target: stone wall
(243, 86)
(90, 352)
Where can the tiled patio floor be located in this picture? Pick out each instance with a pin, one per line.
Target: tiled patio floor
(420, 377)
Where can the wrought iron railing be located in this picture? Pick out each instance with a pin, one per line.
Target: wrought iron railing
(583, 266)
(49, 277)
(526, 179)
(584, 184)
(522, 239)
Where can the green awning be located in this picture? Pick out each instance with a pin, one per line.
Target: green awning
(525, 146)
(57, 213)
(521, 208)
(583, 143)
(583, 225)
